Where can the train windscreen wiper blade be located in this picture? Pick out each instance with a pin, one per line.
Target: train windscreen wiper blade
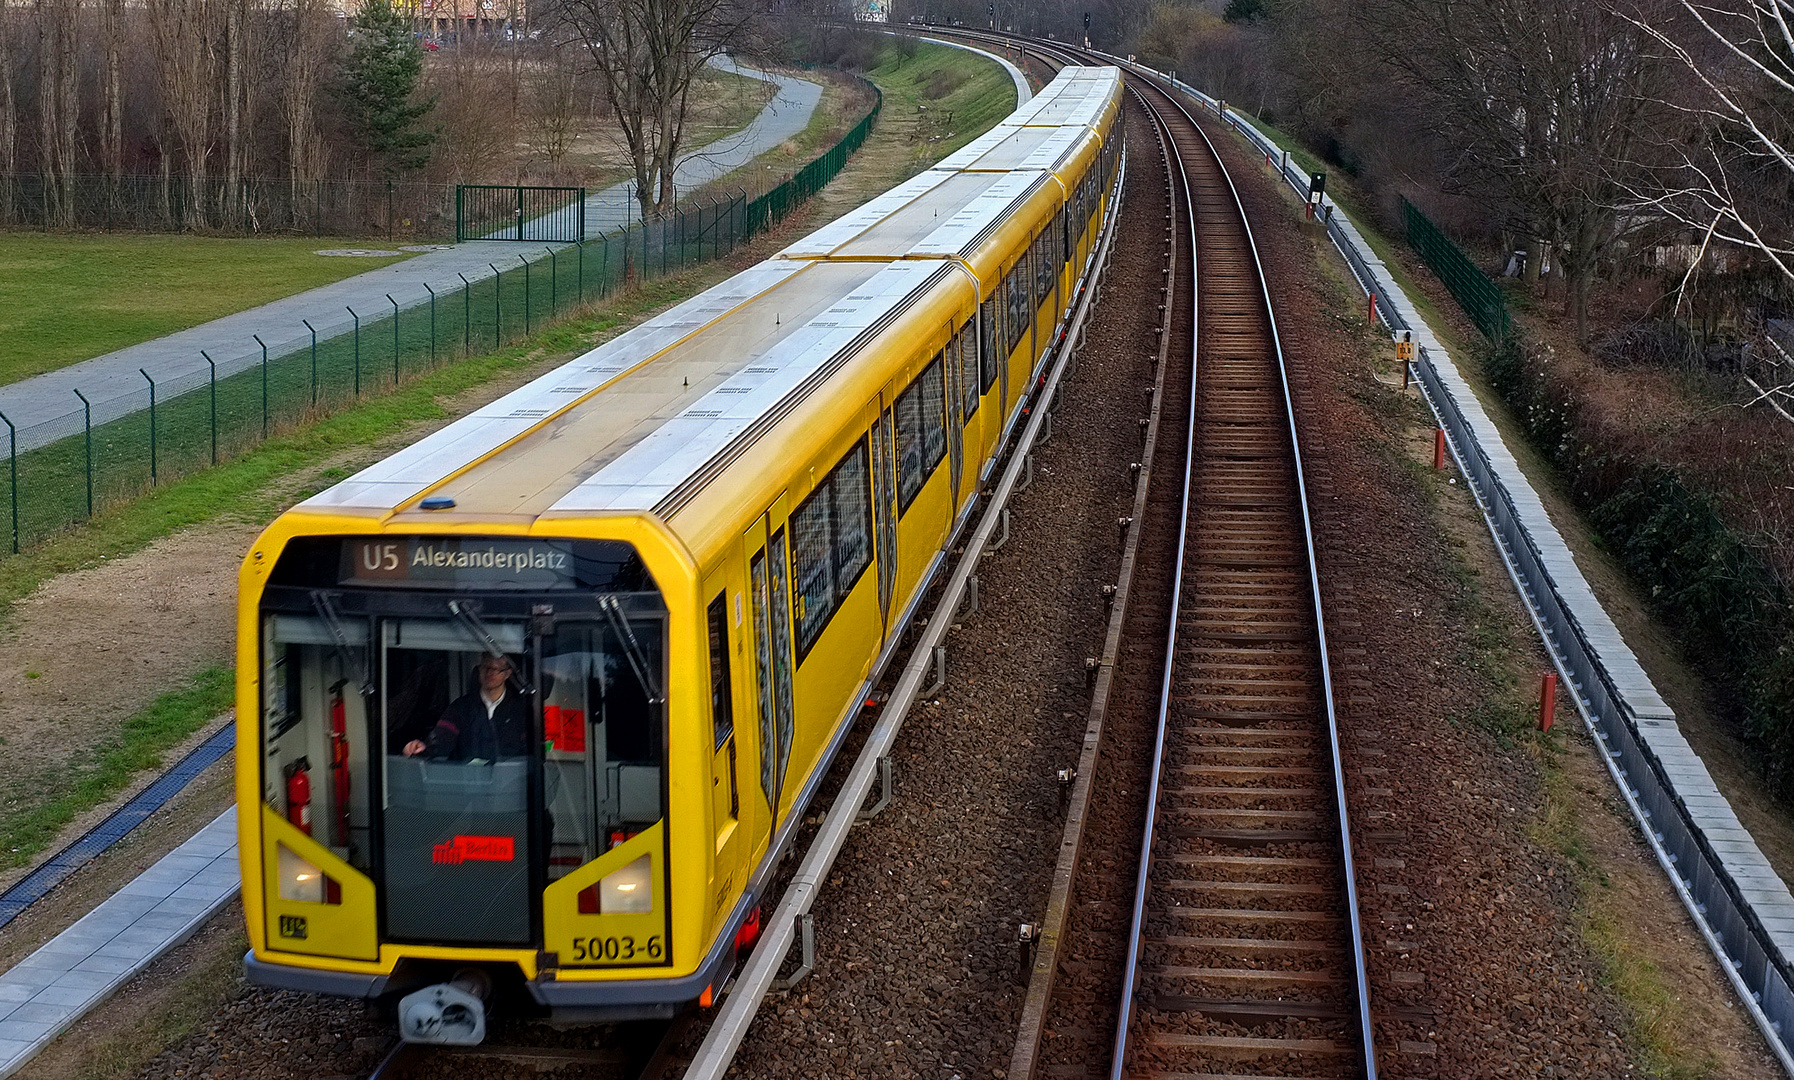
(470, 618)
(632, 648)
(325, 605)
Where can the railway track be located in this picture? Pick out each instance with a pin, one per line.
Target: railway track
(1229, 944)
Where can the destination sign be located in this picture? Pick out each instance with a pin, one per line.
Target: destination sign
(457, 560)
(454, 563)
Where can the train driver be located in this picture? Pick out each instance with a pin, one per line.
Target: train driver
(489, 722)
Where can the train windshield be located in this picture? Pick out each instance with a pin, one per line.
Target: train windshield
(464, 745)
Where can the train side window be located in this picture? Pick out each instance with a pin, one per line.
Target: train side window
(1015, 319)
(934, 412)
(831, 534)
(1043, 266)
(921, 432)
(722, 705)
(987, 344)
(966, 343)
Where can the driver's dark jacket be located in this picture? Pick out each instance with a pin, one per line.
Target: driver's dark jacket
(465, 732)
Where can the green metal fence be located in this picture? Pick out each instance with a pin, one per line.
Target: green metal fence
(63, 471)
(546, 215)
(1480, 298)
(771, 208)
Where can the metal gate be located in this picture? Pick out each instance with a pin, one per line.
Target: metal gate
(552, 215)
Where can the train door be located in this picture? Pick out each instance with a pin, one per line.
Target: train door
(725, 790)
(884, 500)
(952, 375)
(769, 583)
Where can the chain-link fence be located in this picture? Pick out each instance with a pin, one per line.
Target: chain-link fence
(410, 209)
(1480, 298)
(104, 452)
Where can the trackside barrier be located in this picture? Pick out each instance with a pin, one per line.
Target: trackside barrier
(1740, 905)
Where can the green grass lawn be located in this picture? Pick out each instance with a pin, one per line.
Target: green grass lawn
(65, 298)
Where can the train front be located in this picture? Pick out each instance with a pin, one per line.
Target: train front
(453, 780)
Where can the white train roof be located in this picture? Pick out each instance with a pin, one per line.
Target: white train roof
(649, 474)
(638, 422)
(942, 217)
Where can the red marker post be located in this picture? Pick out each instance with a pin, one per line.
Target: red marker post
(1548, 701)
(1438, 448)
(1371, 316)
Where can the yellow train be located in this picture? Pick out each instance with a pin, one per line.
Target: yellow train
(536, 702)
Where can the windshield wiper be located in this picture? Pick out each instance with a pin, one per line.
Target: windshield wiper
(632, 648)
(325, 604)
(470, 618)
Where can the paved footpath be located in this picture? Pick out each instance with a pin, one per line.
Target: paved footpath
(45, 407)
(79, 968)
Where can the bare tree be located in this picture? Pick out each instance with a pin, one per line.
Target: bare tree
(477, 134)
(309, 43)
(9, 114)
(555, 107)
(1544, 101)
(58, 105)
(112, 132)
(1730, 174)
(645, 54)
(187, 66)
(234, 90)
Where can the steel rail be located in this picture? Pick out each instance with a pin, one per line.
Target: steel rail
(1360, 975)
(1130, 977)
(1031, 1028)
(755, 980)
(1357, 933)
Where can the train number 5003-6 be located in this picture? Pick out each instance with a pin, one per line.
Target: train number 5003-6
(613, 949)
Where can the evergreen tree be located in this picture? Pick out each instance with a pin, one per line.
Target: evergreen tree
(380, 78)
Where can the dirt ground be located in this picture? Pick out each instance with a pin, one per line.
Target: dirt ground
(1700, 714)
(92, 647)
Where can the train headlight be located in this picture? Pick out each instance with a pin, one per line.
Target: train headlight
(299, 879)
(628, 891)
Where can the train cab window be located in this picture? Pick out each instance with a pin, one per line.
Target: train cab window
(603, 733)
(314, 719)
(460, 723)
(921, 432)
(831, 534)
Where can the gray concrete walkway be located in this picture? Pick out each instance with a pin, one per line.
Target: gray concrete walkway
(79, 968)
(46, 409)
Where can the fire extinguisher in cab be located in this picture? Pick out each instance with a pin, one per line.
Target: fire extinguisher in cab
(299, 795)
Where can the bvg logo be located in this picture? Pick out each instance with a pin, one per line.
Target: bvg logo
(474, 848)
(292, 926)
